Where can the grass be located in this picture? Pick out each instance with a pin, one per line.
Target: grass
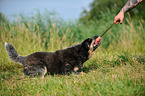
(117, 69)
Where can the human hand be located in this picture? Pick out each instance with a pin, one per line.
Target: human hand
(119, 18)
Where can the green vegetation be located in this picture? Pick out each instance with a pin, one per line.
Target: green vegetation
(116, 68)
(102, 6)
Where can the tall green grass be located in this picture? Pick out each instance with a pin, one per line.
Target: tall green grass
(116, 68)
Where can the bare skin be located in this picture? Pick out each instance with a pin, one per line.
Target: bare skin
(128, 6)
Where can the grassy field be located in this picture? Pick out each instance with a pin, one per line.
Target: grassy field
(116, 69)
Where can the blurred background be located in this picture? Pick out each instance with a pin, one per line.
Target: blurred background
(77, 19)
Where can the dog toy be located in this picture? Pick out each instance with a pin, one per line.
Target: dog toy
(97, 40)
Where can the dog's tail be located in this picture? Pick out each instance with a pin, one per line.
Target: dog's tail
(12, 53)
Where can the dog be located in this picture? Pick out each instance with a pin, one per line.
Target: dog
(63, 61)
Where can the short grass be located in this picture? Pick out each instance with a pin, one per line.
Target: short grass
(117, 70)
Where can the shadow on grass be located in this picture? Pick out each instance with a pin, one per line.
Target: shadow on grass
(90, 66)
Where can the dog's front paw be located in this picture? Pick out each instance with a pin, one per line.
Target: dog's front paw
(82, 73)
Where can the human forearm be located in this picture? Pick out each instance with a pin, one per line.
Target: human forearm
(130, 5)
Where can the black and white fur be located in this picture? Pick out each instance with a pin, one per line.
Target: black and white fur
(59, 62)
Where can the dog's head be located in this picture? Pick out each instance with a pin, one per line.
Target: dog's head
(90, 45)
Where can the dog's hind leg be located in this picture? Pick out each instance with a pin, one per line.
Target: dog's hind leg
(44, 72)
(34, 70)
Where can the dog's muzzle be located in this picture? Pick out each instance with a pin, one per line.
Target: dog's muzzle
(94, 45)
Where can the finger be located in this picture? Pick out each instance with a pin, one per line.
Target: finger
(121, 21)
(115, 21)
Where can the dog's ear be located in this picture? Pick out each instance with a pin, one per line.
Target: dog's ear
(95, 37)
(85, 44)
